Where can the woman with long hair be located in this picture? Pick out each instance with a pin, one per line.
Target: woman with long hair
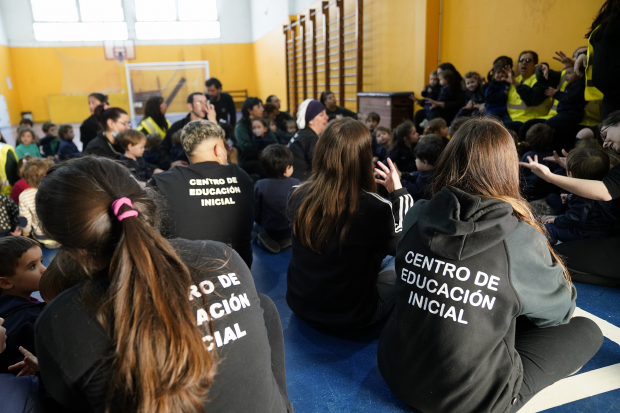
(484, 307)
(154, 120)
(154, 325)
(91, 127)
(113, 121)
(342, 231)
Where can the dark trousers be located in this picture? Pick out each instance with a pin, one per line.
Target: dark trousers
(593, 261)
(608, 107)
(276, 341)
(562, 234)
(564, 135)
(555, 202)
(551, 354)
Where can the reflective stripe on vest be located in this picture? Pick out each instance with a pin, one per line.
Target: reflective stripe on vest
(518, 110)
(592, 93)
(150, 127)
(4, 179)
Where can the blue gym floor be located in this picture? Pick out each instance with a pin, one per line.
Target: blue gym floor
(326, 373)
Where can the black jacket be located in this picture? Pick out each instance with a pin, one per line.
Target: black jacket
(572, 102)
(281, 120)
(416, 183)
(19, 317)
(496, 97)
(606, 62)
(535, 95)
(139, 168)
(336, 287)
(270, 199)
(225, 109)
(49, 146)
(403, 157)
(302, 145)
(466, 269)
(344, 112)
(166, 144)
(89, 130)
(101, 146)
(587, 216)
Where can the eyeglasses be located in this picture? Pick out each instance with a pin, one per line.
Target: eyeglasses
(526, 60)
(604, 131)
(127, 124)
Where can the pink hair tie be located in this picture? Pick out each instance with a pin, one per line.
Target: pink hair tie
(116, 206)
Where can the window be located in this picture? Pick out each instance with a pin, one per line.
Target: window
(176, 19)
(78, 20)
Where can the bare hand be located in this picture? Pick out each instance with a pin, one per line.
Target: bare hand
(549, 221)
(538, 169)
(470, 105)
(158, 171)
(557, 158)
(211, 114)
(582, 61)
(565, 60)
(391, 180)
(509, 77)
(178, 163)
(29, 366)
(564, 198)
(435, 104)
(550, 92)
(544, 69)
(17, 232)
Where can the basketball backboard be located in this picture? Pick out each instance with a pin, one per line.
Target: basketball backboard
(119, 50)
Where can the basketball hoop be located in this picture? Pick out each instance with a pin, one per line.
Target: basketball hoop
(119, 50)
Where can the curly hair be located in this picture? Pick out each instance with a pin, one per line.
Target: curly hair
(197, 131)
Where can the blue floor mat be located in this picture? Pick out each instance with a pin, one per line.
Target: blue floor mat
(326, 373)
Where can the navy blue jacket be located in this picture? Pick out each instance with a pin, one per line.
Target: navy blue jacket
(68, 150)
(587, 216)
(270, 198)
(496, 97)
(527, 175)
(19, 317)
(433, 94)
(416, 183)
(140, 169)
(571, 102)
(477, 95)
(403, 157)
(46, 146)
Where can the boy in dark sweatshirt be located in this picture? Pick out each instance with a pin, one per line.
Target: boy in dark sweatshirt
(584, 218)
(431, 91)
(49, 144)
(496, 94)
(571, 102)
(271, 196)
(539, 139)
(21, 268)
(474, 95)
(427, 153)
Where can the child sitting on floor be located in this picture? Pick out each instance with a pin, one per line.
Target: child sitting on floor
(438, 127)
(431, 91)
(21, 267)
(20, 185)
(384, 141)
(50, 143)
(9, 216)
(271, 196)
(67, 149)
(133, 142)
(474, 95)
(539, 139)
(151, 150)
(372, 121)
(26, 143)
(496, 94)
(584, 218)
(571, 102)
(427, 153)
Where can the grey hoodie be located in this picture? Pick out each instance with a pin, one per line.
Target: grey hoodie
(466, 269)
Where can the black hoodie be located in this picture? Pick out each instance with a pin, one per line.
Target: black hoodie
(466, 269)
(302, 145)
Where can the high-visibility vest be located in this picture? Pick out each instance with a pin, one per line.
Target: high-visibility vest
(149, 127)
(519, 111)
(4, 179)
(592, 93)
(592, 113)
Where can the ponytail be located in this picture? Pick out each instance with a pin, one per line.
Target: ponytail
(145, 309)
(103, 115)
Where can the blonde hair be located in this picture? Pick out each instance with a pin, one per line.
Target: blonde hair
(197, 131)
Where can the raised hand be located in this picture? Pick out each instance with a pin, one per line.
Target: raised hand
(29, 366)
(391, 179)
(544, 69)
(557, 158)
(538, 169)
(567, 61)
(581, 61)
(211, 114)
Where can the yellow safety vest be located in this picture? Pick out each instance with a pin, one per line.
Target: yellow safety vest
(4, 179)
(592, 113)
(519, 111)
(149, 127)
(592, 93)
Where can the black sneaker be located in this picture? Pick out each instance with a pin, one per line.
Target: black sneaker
(265, 242)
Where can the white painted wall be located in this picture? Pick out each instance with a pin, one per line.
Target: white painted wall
(3, 39)
(235, 18)
(266, 15)
(296, 6)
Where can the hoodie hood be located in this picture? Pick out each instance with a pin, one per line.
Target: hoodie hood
(457, 225)
(10, 305)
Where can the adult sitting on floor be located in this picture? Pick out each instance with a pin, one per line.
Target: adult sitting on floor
(591, 261)
(311, 120)
(113, 121)
(209, 199)
(328, 99)
(281, 116)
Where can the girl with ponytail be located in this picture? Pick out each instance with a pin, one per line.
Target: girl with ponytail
(152, 325)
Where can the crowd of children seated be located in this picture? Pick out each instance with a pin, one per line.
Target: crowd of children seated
(166, 212)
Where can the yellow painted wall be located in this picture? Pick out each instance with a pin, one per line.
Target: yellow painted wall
(270, 66)
(41, 73)
(11, 96)
(475, 32)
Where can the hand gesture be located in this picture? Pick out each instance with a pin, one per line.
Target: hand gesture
(550, 92)
(564, 198)
(549, 220)
(29, 366)
(17, 232)
(565, 60)
(544, 69)
(429, 89)
(470, 105)
(556, 158)
(390, 180)
(509, 76)
(178, 163)
(434, 103)
(582, 61)
(211, 114)
(538, 169)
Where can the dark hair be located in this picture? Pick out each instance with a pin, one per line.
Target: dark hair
(498, 65)
(534, 55)
(401, 132)
(229, 132)
(153, 110)
(262, 120)
(613, 119)
(190, 98)
(539, 137)
(145, 310)
(608, 13)
(456, 124)
(429, 148)
(275, 159)
(153, 142)
(614, 157)
(103, 115)
(588, 143)
(269, 98)
(436, 125)
(587, 163)
(448, 76)
(374, 116)
(26, 121)
(475, 75)
(214, 82)
(100, 97)
(35, 170)
(457, 75)
(130, 137)
(269, 108)
(176, 137)
(248, 105)
(62, 131)
(383, 129)
(341, 170)
(11, 250)
(63, 273)
(25, 129)
(324, 96)
(47, 125)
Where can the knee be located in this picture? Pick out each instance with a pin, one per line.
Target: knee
(589, 330)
